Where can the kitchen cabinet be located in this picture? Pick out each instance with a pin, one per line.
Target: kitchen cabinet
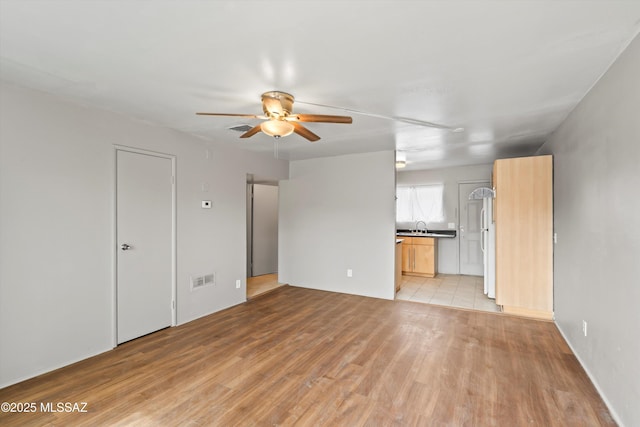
(419, 256)
(523, 214)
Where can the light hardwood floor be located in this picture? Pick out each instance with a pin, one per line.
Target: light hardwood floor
(310, 358)
(258, 285)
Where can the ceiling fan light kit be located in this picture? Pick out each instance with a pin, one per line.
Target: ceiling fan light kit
(276, 128)
(401, 164)
(401, 160)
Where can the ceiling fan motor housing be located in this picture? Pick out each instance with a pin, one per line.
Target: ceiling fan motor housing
(277, 104)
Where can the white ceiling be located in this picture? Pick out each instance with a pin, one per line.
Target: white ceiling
(508, 72)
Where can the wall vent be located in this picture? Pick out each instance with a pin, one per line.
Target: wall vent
(241, 128)
(198, 282)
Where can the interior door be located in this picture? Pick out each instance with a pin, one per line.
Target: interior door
(470, 233)
(264, 244)
(144, 219)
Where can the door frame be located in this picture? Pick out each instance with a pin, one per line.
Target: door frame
(459, 215)
(251, 227)
(114, 235)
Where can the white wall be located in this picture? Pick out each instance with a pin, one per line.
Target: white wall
(56, 248)
(597, 217)
(338, 213)
(448, 253)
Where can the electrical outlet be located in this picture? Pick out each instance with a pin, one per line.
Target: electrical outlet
(349, 272)
(238, 284)
(555, 238)
(584, 327)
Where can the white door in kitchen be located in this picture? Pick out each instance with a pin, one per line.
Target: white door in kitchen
(489, 247)
(470, 232)
(145, 243)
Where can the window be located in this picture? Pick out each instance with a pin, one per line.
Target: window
(420, 203)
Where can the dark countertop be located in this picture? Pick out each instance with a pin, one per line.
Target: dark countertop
(440, 234)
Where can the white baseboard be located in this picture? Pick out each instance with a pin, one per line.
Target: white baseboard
(614, 415)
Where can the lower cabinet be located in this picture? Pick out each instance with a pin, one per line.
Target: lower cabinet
(419, 256)
(398, 265)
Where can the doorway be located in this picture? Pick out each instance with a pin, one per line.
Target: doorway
(145, 243)
(262, 236)
(264, 230)
(471, 257)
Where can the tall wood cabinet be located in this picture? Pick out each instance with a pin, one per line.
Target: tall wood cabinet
(523, 215)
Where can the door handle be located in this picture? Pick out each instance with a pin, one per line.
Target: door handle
(125, 247)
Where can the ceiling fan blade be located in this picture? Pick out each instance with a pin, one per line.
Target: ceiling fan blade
(320, 118)
(251, 132)
(396, 118)
(304, 132)
(251, 116)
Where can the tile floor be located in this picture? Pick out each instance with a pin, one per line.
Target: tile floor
(444, 289)
(449, 290)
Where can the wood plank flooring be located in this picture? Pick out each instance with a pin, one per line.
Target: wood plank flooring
(309, 358)
(258, 285)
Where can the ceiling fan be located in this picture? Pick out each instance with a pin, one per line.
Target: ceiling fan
(279, 119)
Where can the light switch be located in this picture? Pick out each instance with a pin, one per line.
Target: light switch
(206, 204)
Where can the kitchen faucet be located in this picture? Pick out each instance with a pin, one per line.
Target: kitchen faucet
(424, 223)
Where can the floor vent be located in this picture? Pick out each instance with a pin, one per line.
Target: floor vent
(198, 282)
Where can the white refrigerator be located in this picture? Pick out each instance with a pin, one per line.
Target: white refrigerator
(488, 245)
